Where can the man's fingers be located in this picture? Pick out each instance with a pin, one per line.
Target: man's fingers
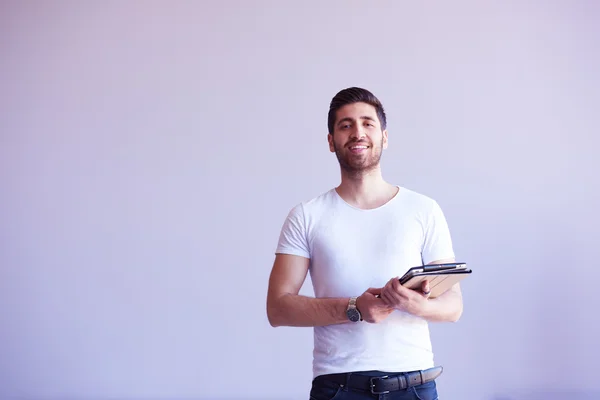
(374, 291)
(425, 289)
(385, 296)
(393, 298)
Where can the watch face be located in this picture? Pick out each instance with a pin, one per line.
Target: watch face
(353, 315)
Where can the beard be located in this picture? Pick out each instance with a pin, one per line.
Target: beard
(359, 164)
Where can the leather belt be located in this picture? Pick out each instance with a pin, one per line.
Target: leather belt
(386, 383)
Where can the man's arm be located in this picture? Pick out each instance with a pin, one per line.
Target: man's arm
(447, 307)
(285, 307)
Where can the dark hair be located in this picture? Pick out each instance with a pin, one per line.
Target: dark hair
(350, 96)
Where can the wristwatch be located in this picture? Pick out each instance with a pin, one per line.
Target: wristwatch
(352, 312)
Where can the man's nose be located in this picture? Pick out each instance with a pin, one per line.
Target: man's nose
(357, 133)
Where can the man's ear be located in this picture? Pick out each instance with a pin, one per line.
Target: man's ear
(385, 139)
(330, 141)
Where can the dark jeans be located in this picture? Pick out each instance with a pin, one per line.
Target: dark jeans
(323, 389)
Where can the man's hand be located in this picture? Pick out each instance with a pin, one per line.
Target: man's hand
(400, 298)
(372, 308)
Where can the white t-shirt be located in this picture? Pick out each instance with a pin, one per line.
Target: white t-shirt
(350, 250)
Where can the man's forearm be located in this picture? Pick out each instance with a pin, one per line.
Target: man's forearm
(303, 311)
(445, 308)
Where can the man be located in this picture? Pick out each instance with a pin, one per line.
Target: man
(371, 335)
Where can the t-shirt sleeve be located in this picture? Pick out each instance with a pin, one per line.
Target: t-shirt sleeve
(438, 242)
(293, 236)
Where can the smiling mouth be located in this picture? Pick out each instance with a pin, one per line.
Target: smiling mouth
(358, 148)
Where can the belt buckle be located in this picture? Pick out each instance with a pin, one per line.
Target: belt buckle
(373, 384)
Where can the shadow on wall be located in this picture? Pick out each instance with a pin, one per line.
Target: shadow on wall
(550, 395)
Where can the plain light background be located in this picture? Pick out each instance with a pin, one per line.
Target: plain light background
(150, 151)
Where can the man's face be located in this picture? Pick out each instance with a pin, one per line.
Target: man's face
(357, 139)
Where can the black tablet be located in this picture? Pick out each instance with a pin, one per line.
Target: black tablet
(441, 277)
